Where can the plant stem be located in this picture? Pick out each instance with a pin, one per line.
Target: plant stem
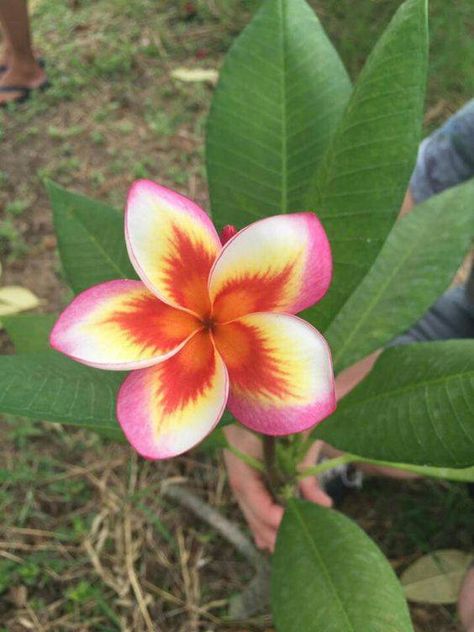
(243, 456)
(451, 474)
(246, 458)
(315, 470)
(270, 463)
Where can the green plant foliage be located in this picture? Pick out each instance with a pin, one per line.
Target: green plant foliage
(361, 184)
(90, 239)
(328, 576)
(281, 93)
(414, 407)
(415, 266)
(29, 332)
(49, 386)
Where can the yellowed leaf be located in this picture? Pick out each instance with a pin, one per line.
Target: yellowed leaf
(436, 578)
(195, 75)
(15, 299)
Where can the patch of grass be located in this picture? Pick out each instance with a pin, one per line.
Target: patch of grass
(12, 243)
(61, 133)
(160, 123)
(17, 207)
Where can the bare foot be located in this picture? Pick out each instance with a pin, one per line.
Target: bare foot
(28, 75)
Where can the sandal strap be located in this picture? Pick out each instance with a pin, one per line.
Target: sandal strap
(22, 89)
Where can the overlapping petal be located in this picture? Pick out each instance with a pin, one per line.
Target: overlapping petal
(121, 325)
(278, 264)
(280, 372)
(168, 408)
(172, 244)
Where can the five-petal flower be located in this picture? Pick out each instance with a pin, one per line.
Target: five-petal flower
(208, 326)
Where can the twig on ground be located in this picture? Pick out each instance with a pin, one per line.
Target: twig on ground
(227, 529)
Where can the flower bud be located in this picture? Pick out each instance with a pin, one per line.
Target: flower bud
(227, 233)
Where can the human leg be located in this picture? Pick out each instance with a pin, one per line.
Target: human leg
(23, 69)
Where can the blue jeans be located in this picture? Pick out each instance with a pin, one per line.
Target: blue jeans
(445, 158)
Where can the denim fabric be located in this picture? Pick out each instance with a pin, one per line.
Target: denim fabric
(445, 158)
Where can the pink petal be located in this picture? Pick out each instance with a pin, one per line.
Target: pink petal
(278, 264)
(172, 244)
(121, 325)
(280, 371)
(167, 409)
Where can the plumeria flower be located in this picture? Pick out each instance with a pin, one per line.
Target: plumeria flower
(208, 325)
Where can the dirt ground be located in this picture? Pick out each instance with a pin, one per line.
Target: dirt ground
(87, 543)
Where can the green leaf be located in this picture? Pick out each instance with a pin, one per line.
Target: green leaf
(280, 96)
(329, 576)
(49, 386)
(361, 185)
(414, 267)
(416, 406)
(91, 239)
(436, 578)
(29, 332)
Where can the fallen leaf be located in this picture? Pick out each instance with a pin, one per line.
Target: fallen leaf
(436, 578)
(191, 75)
(15, 299)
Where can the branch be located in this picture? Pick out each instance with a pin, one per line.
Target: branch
(215, 519)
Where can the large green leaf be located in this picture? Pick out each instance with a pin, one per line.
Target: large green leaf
(49, 386)
(280, 96)
(329, 576)
(362, 182)
(416, 406)
(29, 332)
(91, 239)
(416, 264)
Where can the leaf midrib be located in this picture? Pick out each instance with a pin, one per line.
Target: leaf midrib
(284, 183)
(75, 216)
(320, 561)
(387, 279)
(376, 296)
